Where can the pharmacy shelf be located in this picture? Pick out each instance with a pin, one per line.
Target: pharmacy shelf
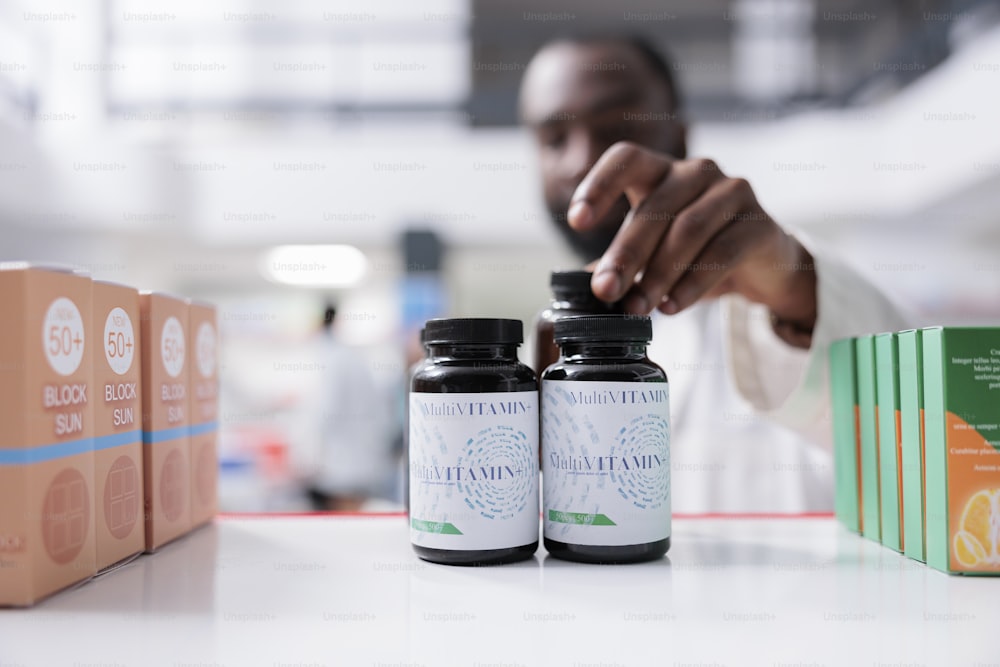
(347, 590)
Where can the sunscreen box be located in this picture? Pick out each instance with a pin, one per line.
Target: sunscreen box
(890, 442)
(911, 406)
(165, 439)
(868, 433)
(203, 407)
(961, 372)
(846, 441)
(47, 536)
(117, 423)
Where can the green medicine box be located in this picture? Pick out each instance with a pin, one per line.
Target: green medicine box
(911, 407)
(846, 444)
(864, 356)
(961, 372)
(889, 440)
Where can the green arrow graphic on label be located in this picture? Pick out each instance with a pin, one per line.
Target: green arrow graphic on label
(438, 527)
(580, 518)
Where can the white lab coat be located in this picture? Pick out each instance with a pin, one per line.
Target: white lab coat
(750, 415)
(353, 434)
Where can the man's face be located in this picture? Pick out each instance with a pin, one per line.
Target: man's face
(578, 100)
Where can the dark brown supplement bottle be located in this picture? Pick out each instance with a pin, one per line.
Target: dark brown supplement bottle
(605, 443)
(473, 445)
(571, 296)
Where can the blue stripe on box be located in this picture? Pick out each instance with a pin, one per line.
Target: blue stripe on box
(200, 429)
(59, 450)
(153, 437)
(117, 439)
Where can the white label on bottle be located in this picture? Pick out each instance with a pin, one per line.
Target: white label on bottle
(474, 470)
(606, 462)
(63, 336)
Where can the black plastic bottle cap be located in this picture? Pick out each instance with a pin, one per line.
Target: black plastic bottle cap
(474, 330)
(603, 327)
(574, 286)
(571, 282)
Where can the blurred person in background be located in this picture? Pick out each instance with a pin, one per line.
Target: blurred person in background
(671, 235)
(356, 463)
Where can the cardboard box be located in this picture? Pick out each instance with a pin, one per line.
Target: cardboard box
(846, 437)
(864, 347)
(117, 423)
(203, 405)
(47, 537)
(890, 443)
(165, 440)
(961, 370)
(911, 407)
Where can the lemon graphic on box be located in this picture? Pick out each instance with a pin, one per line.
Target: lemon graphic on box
(977, 541)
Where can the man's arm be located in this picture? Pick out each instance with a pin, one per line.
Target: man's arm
(693, 232)
(791, 386)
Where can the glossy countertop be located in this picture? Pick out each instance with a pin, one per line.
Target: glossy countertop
(288, 591)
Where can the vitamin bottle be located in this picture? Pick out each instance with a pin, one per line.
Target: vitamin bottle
(473, 445)
(605, 443)
(571, 296)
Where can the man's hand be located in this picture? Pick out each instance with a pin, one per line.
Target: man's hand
(692, 233)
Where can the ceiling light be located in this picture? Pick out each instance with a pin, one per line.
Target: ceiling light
(314, 265)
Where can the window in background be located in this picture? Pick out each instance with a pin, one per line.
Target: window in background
(347, 57)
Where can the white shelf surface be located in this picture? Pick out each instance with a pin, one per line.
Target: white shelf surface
(348, 590)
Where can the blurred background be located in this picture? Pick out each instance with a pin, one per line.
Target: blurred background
(276, 157)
